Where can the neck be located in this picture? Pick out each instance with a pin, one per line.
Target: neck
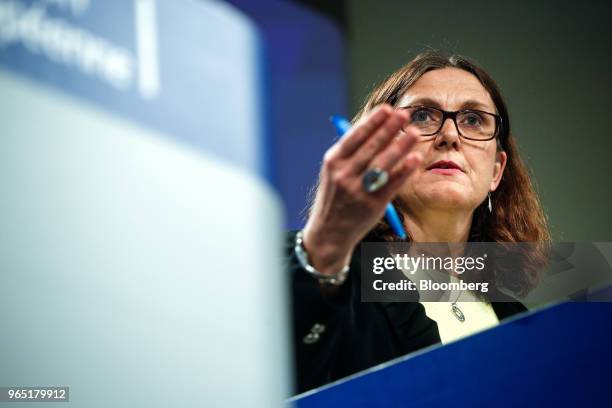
(439, 226)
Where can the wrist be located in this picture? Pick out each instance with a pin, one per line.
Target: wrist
(325, 254)
(334, 272)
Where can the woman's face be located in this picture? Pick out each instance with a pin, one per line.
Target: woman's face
(481, 166)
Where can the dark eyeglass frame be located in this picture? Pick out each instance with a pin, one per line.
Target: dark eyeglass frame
(453, 116)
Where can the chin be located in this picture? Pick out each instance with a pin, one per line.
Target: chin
(448, 197)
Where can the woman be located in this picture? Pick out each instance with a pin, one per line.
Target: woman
(439, 129)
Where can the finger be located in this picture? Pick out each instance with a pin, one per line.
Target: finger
(398, 176)
(359, 133)
(394, 153)
(406, 133)
(377, 142)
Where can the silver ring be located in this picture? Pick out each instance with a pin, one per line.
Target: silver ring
(374, 179)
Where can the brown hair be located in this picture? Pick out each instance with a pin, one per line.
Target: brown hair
(517, 213)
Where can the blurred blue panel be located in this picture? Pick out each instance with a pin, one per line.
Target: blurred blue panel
(187, 68)
(307, 80)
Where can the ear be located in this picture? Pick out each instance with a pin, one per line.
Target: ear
(498, 169)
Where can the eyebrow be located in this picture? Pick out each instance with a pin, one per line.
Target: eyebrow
(469, 104)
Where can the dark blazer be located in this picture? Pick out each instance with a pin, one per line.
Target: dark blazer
(335, 336)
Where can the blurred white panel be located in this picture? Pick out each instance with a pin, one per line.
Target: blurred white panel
(133, 270)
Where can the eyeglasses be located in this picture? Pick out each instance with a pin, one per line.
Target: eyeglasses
(470, 124)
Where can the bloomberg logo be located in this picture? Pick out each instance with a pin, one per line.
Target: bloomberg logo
(31, 25)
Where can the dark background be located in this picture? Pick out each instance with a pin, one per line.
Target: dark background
(552, 61)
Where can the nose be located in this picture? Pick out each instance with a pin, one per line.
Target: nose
(448, 135)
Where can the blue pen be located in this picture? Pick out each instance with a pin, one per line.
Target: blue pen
(342, 126)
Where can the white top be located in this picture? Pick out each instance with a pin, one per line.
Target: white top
(478, 314)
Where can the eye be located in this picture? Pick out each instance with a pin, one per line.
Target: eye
(472, 119)
(421, 115)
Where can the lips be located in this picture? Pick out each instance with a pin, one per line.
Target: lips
(445, 165)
